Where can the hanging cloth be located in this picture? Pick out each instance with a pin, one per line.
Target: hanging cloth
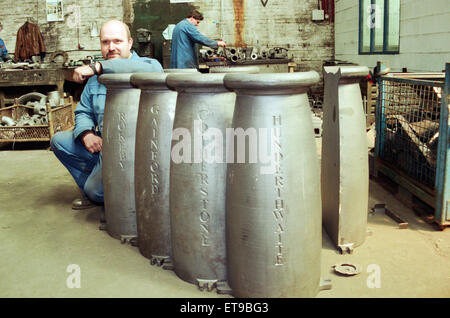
(29, 42)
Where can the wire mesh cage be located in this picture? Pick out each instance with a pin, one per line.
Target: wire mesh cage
(59, 119)
(410, 116)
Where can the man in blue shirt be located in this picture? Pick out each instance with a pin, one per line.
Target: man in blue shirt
(184, 37)
(80, 150)
(4, 56)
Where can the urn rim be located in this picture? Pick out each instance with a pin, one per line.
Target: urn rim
(272, 82)
(348, 72)
(181, 70)
(116, 80)
(196, 82)
(235, 69)
(149, 80)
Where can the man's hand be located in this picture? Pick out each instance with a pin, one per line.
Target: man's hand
(221, 43)
(92, 142)
(81, 73)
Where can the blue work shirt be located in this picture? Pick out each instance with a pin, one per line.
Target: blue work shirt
(90, 109)
(184, 37)
(3, 50)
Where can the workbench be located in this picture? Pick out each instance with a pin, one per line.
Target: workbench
(265, 65)
(34, 77)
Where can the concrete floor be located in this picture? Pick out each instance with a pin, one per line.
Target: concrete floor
(41, 236)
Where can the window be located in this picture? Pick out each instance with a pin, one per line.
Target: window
(379, 26)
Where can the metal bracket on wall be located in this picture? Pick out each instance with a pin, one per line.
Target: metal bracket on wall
(264, 2)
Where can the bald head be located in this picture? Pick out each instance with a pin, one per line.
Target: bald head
(116, 26)
(115, 40)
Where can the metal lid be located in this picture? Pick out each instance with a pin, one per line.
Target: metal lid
(235, 69)
(121, 80)
(197, 83)
(347, 269)
(150, 81)
(272, 83)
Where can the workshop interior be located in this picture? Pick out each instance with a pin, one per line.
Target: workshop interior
(304, 154)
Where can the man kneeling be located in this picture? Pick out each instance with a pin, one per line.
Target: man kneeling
(80, 150)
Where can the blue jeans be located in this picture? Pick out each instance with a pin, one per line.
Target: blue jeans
(85, 167)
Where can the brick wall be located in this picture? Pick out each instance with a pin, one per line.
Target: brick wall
(61, 35)
(285, 23)
(239, 22)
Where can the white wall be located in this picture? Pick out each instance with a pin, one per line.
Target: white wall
(424, 36)
(286, 23)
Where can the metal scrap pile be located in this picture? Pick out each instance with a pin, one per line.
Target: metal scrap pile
(37, 117)
(236, 55)
(58, 59)
(412, 131)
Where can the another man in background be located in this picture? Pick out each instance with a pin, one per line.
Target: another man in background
(4, 56)
(184, 37)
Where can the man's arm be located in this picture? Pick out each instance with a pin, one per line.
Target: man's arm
(84, 123)
(84, 114)
(130, 66)
(117, 66)
(197, 37)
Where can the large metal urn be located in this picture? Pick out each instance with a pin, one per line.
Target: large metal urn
(345, 167)
(152, 165)
(198, 177)
(273, 219)
(119, 134)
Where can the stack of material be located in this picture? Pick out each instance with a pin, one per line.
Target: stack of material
(35, 114)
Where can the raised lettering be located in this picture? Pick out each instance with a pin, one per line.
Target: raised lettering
(279, 203)
(155, 109)
(204, 217)
(153, 145)
(279, 210)
(279, 181)
(205, 240)
(154, 178)
(279, 259)
(154, 166)
(155, 189)
(279, 231)
(278, 214)
(204, 178)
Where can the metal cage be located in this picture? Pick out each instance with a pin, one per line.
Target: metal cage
(412, 137)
